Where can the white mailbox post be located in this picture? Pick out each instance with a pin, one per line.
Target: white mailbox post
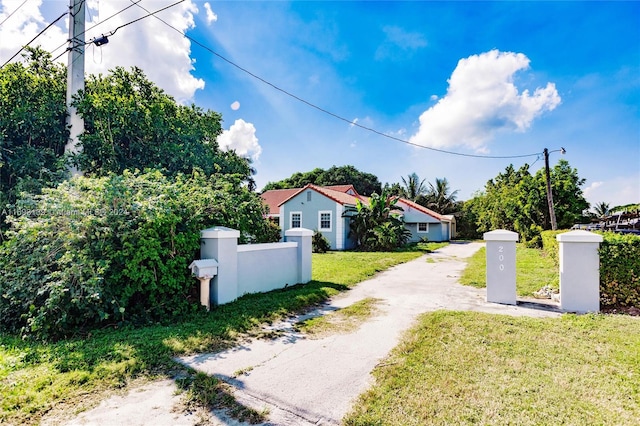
(204, 270)
(579, 271)
(501, 266)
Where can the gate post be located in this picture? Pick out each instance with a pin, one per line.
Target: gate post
(501, 266)
(221, 243)
(303, 237)
(579, 271)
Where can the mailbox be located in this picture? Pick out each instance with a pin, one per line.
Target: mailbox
(205, 268)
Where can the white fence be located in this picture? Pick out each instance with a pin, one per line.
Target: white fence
(227, 270)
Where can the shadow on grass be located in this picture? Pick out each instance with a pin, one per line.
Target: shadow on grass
(203, 391)
(69, 373)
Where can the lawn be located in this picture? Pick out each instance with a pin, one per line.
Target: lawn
(484, 369)
(69, 376)
(534, 270)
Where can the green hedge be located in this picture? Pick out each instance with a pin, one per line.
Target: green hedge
(550, 244)
(115, 250)
(619, 267)
(620, 270)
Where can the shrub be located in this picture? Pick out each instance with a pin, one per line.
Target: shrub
(619, 266)
(114, 250)
(319, 243)
(620, 270)
(550, 244)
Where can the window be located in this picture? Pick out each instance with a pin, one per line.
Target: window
(324, 220)
(296, 220)
(423, 227)
(308, 195)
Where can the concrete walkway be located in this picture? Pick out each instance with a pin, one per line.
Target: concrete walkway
(302, 381)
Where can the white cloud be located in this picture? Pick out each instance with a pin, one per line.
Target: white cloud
(25, 24)
(211, 15)
(235, 106)
(149, 44)
(482, 100)
(618, 191)
(241, 137)
(588, 191)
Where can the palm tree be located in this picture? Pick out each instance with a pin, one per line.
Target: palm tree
(440, 198)
(602, 209)
(413, 188)
(377, 225)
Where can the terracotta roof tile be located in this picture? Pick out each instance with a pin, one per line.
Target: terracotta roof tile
(423, 209)
(274, 197)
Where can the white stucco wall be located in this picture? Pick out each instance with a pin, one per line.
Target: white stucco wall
(265, 267)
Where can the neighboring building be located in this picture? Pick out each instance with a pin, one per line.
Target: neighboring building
(425, 223)
(329, 210)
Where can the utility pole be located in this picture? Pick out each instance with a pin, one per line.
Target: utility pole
(552, 212)
(75, 76)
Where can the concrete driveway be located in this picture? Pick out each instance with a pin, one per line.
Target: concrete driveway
(302, 381)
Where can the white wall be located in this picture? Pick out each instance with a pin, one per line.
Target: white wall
(266, 267)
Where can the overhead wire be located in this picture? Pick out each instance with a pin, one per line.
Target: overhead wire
(11, 14)
(272, 85)
(88, 29)
(330, 113)
(31, 41)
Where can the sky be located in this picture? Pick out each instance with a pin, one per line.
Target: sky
(392, 88)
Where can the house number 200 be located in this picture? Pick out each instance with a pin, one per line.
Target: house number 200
(501, 257)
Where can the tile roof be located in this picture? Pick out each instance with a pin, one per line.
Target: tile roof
(274, 197)
(342, 188)
(337, 196)
(424, 210)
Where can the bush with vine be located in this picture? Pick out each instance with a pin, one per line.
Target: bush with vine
(115, 250)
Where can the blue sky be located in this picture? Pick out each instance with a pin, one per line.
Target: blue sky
(479, 78)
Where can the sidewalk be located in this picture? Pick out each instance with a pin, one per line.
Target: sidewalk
(301, 381)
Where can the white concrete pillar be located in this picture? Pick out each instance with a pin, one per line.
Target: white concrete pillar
(501, 266)
(303, 237)
(579, 271)
(221, 243)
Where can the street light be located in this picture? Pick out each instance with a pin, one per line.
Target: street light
(552, 212)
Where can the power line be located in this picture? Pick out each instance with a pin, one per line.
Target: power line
(274, 86)
(146, 16)
(88, 29)
(332, 114)
(37, 35)
(11, 14)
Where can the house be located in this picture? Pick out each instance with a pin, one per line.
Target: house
(328, 209)
(424, 223)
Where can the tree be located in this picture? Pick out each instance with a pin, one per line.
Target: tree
(568, 198)
(601, 209)
(516, 200)
(33, 132)
(413, 188)
(130, 123)
(365, 183)
(377, 226)
(440, 198)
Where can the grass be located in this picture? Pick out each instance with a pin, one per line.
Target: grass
(70, 376)
(425, 247)
(343, 320)
(483, 369)
(534, 270)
